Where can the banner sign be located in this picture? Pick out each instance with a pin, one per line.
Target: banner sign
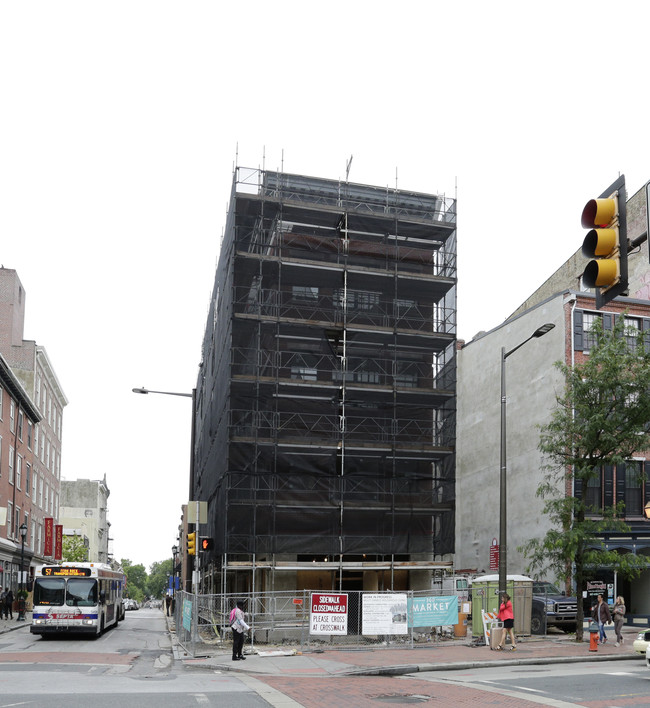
(433, 611)
(187, 615)
(494, 555)
(58, 542)
(384, 613)
(328, 613)
(48, 549)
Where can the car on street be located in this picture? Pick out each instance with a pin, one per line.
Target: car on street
(642, 642)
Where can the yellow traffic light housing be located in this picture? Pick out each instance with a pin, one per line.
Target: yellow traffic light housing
(191, 544)
(606, 243)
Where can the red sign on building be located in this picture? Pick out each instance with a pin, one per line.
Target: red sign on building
(48, 549)
(58, 542)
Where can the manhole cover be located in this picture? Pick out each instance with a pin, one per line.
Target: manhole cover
(401, 698)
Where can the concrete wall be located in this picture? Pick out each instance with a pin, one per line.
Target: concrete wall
(84, 506)
(532, 384)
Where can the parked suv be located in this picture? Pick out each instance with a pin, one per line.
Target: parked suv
(552, 608)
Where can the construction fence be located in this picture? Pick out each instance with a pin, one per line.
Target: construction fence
(308, 620)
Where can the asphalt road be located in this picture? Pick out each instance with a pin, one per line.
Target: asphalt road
(131, 665)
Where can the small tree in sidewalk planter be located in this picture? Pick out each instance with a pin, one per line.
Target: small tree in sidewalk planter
(601, 419)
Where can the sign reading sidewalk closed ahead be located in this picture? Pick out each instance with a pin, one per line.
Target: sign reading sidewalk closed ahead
(328, 613)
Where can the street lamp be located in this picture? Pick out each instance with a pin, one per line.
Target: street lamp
(192, 395)
(164, 393)
(503, 554)
(21, 602)
(174, 552)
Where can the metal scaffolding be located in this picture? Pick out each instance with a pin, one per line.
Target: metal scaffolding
(325, 410)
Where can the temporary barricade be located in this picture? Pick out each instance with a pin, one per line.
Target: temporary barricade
(311, 619)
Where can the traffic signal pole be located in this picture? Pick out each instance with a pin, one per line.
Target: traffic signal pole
(197, 555)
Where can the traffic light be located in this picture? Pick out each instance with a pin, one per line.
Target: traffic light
(606, 243)
(191, 543)
(207, 544)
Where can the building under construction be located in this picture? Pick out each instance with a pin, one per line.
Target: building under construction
(326, 398)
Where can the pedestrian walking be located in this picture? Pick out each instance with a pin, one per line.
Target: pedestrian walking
(8, 603)
(168, 604)
(619, 618)
(507, 616)
(602, 616)
(238, 626)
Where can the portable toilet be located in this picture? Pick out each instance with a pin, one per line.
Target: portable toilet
(485, 597)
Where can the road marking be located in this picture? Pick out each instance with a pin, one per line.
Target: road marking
(201, 698)
(483, 685)
(525, 688)
(270, 695)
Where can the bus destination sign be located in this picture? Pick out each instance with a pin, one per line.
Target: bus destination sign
(67, 571)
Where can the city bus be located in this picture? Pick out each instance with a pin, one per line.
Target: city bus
(77, 598)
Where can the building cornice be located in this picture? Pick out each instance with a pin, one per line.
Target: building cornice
(55, 385)
(15, 388)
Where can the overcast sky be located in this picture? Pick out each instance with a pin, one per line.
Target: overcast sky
(121, 122)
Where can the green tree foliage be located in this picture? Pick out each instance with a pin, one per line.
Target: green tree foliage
(136, 580)
(601, 418)
(74, 549)
(158, 578)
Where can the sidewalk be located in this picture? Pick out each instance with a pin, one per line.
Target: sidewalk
(446, 655)
(7, 625)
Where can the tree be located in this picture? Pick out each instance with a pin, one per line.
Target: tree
(136, 580)
(74, 549)
(158, 578)
(601, 419)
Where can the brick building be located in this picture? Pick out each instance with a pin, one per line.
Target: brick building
(40, 446)
(532, 384)
(19, 419)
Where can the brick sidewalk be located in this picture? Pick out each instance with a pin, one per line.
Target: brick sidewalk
(444, 655)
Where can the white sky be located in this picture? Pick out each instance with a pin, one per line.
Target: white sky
(119, 127)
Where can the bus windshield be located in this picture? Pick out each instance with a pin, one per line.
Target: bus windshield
(49, 591)
(82, 592)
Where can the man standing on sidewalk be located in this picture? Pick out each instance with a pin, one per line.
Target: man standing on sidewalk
(238, 626)
(8, 603)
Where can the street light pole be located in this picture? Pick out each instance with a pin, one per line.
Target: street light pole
(173, 587)
(21, 602)
(503, 497)
(192, 395)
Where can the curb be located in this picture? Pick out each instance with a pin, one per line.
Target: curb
(467, 665)
(403, 669)
(13, 628)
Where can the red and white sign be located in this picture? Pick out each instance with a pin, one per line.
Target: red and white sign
(48, 549)
(58, 542)
(494, 555)
(328, 613)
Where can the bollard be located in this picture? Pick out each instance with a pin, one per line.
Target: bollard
(593, 637)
